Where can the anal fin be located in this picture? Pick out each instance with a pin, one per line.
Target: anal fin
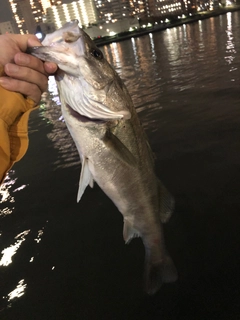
(129, 232)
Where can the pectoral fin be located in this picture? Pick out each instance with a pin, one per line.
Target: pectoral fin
(85, 178)
(118, 149)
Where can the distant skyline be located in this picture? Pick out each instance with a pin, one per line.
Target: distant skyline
(6, 13)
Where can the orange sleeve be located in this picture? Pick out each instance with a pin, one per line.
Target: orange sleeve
(14, 114)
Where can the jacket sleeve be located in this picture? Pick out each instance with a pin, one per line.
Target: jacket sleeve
(14, 114)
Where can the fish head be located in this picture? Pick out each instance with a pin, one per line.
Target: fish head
(85, 78)
(76, 54)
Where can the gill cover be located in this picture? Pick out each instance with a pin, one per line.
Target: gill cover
(86, 75)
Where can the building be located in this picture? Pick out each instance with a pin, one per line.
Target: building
(112, 28)
(84, 11)
(158, 9)
(190, 6)
(166, 8)
(23, 16)
(7, 27)
(114, 10)
(145, 10)
(29, 13)
(48, 3)
(139, 9)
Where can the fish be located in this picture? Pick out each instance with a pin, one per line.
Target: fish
(112, 145)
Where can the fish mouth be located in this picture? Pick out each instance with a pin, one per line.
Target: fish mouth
(42, 53)
(55, 55)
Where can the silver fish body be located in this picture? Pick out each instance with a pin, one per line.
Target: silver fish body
(114, 151)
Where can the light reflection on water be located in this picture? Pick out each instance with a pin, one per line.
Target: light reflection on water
(6, 193)
(39, 235)
(17, 292)
(10, 251)
(6, 199)
(7, 258)
(59, 135)
(50, 113)
(7, 253)
(230, 46)
(5, 188)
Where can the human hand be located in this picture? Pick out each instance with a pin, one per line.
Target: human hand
(25, 74)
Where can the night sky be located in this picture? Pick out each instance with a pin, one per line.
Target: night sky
(5, 11)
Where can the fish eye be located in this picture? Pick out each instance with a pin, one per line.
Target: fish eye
(97, 54)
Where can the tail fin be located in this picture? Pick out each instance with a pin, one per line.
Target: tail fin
(157, 274)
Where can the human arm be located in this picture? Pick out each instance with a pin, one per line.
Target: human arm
(23, 78)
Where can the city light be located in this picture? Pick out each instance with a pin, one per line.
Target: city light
(83, 11)
(39, 35)
(117, 14)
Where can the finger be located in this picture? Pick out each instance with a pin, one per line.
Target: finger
(33, 42)
(26, 60)
(27, 89)
(23, 40)
(27, 75)
(50, 67)
(13, 43)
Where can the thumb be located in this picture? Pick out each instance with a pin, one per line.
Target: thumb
(33, 42)
(23, 41)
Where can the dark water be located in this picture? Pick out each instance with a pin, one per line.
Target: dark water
(63, 260)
